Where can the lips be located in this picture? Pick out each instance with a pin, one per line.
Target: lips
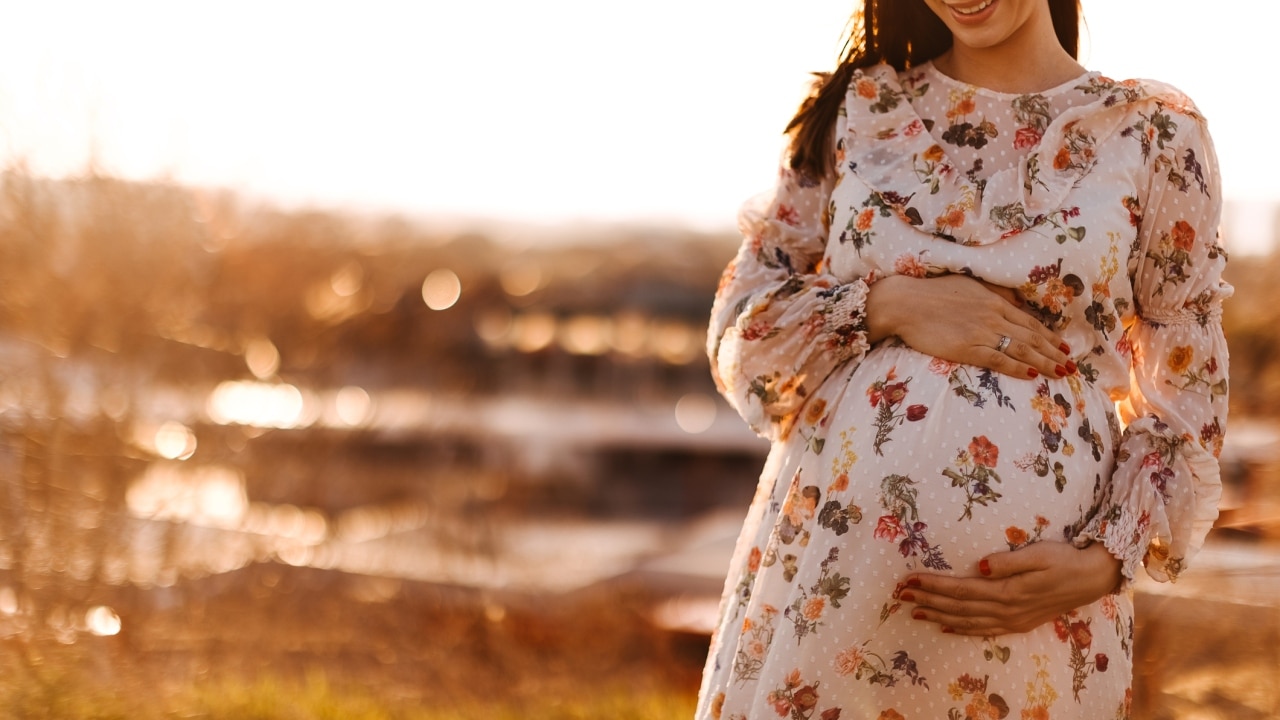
(973, 13)
(971, 10)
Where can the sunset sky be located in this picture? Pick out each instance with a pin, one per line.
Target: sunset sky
(549, 112)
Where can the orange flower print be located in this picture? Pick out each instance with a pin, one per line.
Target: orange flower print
(952, 217)
(1025, 138)
(1110, 607)
(1039, 712)
(717, 705)
(909, 265)
(1080, 634)
(867, 89)
(813, 413)
(864, 220)
(753, 560)
(1184, 236)
(840, 484)
(890, 714)
(1015, 535)
(933, 154)
(1057, 294)
(1062, 160)
(938, 366)
(813, 607)
(984, 452)
(848, 661)
(1179, 358)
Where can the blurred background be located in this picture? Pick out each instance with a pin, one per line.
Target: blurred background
(351, 356)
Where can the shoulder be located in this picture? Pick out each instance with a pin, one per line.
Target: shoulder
(1142, 93)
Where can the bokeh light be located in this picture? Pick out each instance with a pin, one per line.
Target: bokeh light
(347, 281)
(520, 279)
(212, 495)
(695, 413)
(441, 289)
(256, 404)
(175, 441)
(586, 335)
(532, 332)
(262, 358)
(352, 405)
(102, 621)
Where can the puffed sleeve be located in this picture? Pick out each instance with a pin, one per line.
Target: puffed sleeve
(780, 323)
(1163, 497)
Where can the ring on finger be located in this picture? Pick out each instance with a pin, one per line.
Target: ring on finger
(1003, 344)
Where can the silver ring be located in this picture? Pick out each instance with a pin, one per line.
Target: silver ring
(1003, 344)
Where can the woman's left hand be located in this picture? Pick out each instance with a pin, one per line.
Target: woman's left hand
(1018, 591)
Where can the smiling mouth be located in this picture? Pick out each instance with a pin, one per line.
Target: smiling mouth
(974, 10)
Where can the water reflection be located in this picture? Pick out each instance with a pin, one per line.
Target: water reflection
(174, 441)
(209, 496)
(102, 621)
(257, 404)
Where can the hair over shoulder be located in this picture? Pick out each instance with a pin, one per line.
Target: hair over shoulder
(900, 33)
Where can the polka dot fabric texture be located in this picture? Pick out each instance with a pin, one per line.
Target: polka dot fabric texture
(1098, 203)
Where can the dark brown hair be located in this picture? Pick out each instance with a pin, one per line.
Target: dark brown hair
(902, 33)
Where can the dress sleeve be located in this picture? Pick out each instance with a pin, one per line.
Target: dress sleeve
(1163, 497)
(780, 323)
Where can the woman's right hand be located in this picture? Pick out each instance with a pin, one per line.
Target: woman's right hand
(960, 319)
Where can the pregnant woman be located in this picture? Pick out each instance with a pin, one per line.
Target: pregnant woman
(978, 318)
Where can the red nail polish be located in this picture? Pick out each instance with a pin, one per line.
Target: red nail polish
(917, 615)
(946, 629)
(913, 582)
(1066, 349)
(1071, 367)
(984, 567)
(1032, 373)
(1062, 372)
(907, 596)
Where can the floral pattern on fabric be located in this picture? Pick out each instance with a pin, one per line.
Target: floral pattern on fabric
(1097, 202)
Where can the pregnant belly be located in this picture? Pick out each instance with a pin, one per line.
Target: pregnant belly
(945, 463)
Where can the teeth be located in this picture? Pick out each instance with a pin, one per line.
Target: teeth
(974, 10)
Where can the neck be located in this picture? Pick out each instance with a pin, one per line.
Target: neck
(1028, 61)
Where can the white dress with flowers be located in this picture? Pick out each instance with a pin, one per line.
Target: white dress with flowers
(1098, 202)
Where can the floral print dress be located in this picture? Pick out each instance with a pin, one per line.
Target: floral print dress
(1098, 203)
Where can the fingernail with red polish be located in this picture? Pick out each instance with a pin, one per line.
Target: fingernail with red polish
(1032, 373)
(1065, 348)
(913, 582)
(907, 596)
(946, 629)
(984, 567)
(1062, 372)
(917, 615)
(1071, 367)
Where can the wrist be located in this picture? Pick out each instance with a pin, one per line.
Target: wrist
(884, 305)
(1102, 566)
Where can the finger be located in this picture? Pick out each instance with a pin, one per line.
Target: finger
(1004, 363)
(1009, 294)
(1013, 562)
(1025, 349)
(956, 590)
(1034, 345)
(1042, 338)
(961, 624)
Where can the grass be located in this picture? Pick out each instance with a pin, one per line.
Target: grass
(309, 651)
(63, 696)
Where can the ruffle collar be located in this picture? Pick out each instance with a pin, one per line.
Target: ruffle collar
(887, 147)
